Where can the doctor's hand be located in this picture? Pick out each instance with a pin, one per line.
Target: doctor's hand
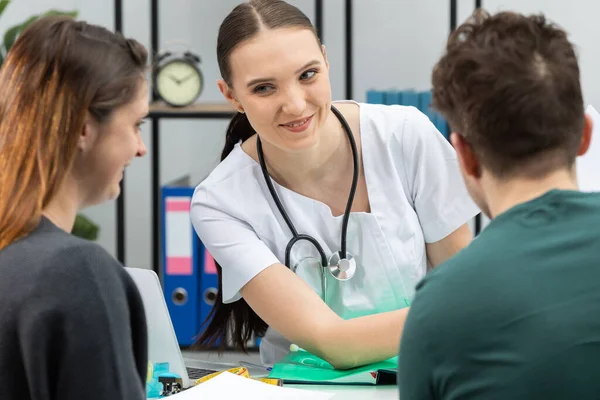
(287, 304)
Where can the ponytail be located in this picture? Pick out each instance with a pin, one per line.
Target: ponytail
(239, 129)
(233, 324)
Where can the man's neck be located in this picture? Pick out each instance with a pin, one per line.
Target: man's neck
(63, 208)
(503, 195)
(329, 155)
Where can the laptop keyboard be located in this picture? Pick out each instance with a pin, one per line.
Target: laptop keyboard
(197, 373)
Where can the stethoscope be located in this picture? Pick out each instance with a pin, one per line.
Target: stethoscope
(341, 265)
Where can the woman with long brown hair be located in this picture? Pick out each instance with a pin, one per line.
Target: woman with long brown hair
(72, 96)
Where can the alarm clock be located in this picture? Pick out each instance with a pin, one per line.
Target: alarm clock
(178, 80)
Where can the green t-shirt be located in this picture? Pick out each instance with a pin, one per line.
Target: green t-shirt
(516, 314)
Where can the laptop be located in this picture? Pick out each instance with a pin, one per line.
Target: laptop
(162, 341)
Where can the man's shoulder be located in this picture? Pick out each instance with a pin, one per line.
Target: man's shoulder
(458, 278)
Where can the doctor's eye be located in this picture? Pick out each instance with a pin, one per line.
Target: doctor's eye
(262, 89)
(306, 75)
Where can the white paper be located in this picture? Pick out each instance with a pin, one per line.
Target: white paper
(229, 386)
(588, 165)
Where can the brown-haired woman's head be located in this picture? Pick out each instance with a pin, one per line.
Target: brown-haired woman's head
(275, 72)
(509, 86)
(72, 96)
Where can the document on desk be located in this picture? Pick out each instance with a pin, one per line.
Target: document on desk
(229, 386)
(588, 165)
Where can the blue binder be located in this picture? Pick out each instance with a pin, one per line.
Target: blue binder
(181, 252)
(375, 97)
(209, 284)
(410, 98)
(393, 97)
(425, 99)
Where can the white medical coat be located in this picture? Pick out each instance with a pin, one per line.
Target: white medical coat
(416, 196)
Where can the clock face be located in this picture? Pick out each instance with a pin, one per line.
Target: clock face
(179, 83)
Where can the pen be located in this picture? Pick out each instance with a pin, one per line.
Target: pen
(251, 365)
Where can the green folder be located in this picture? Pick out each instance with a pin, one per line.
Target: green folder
(306, 368)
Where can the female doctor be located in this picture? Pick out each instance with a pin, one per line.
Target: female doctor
(293, 165)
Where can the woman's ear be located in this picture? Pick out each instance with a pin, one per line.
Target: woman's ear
(324, 51)
(88, 135)
(227, 92)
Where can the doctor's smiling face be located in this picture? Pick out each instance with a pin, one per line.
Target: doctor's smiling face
(280, 80)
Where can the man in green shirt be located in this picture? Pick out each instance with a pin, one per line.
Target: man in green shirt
(516, 314)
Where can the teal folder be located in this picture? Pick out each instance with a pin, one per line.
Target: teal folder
(410, 98)
(375, 97)
(393, 97)
(301, 367)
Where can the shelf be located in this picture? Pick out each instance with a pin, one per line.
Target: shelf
(198, 110)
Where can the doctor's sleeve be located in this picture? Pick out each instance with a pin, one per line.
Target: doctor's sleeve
(232, 243)
(435, 184)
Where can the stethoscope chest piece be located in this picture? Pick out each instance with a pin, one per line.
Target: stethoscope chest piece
(342, 269)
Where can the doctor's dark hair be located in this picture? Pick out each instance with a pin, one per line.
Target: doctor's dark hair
(235, 324)
(58, 72)
(510, 85)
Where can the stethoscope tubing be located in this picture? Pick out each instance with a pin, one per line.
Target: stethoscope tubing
(296, 236)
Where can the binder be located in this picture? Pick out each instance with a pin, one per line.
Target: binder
(410, 98)
(393, 97)
(375, 97)
(209, 284)
(181, 249)
(425, 99)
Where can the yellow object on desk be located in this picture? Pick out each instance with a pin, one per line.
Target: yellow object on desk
(240, 371)
(270, 381)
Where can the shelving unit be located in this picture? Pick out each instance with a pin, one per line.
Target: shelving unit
(120, 217)
(159, 110)
(203, 110)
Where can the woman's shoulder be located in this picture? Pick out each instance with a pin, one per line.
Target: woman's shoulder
(49, 263)
(385, 120)
(80, 259)
(235, 166)
(233, 181)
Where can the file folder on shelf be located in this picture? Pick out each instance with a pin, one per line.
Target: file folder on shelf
(181, 279)
(190, 280)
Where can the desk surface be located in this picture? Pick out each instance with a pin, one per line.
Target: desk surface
(354, 392)
(346, 392)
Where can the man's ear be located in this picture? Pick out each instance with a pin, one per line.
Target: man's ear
(229, 95)
(586, 137)
(467, 160)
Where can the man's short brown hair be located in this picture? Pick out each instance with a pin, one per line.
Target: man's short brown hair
(509, 84)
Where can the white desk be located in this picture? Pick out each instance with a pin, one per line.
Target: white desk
(350, 392)
(355, 392)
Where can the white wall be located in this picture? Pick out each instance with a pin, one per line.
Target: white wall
(396, 51)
